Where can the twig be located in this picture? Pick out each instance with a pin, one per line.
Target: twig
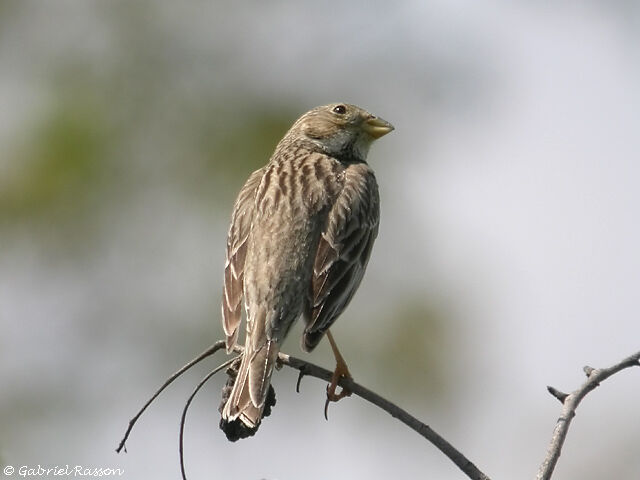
(427, 432)
(186, 407)
(570, 403)
(207, 353)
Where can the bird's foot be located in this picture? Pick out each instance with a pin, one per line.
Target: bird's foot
(340, 372)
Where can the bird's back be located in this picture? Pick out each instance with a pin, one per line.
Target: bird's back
(295, 194)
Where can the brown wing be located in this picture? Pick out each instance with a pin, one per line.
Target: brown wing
(343, 252)
(236, 254)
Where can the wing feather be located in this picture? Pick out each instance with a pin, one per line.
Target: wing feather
(235, 258)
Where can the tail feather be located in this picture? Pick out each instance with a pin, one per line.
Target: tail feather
(260, 370)
(247, 399)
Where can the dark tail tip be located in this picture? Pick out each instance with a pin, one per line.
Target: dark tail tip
(236, 430)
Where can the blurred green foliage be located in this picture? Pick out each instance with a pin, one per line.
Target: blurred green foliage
(90, 151)
(243, 147)
(59, 165)
(413, 358)
(231, 145)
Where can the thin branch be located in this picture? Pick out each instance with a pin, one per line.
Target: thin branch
(186, 407)
(570, 403)
(306, 368)
(207, 353)
(427, 432)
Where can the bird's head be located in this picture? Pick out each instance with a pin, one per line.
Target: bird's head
(341, 130)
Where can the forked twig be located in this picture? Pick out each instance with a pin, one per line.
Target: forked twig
(570, 403)
(307, 368)
(207, 353)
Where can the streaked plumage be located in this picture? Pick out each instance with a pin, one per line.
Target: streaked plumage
(301, 234)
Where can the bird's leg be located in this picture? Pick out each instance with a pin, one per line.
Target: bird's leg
(341, 371)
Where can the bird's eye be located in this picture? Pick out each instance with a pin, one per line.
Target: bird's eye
(340, 109)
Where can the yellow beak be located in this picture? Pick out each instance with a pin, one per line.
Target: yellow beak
(376, 127)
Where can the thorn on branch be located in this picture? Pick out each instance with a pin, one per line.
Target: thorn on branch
(588, 370)
(326, 406)
(558, 394)
(302, 373)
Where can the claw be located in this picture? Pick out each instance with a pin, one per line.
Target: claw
(340, 372)
(332, 396)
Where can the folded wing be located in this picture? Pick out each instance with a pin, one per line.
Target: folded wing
(235, 258)
(343, 252)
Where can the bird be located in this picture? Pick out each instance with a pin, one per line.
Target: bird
(301, 233)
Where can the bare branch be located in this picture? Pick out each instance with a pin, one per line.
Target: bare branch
(207, 353)
(570, 403)
(427, 432)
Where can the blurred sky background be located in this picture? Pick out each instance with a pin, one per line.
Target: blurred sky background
(507, 256)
